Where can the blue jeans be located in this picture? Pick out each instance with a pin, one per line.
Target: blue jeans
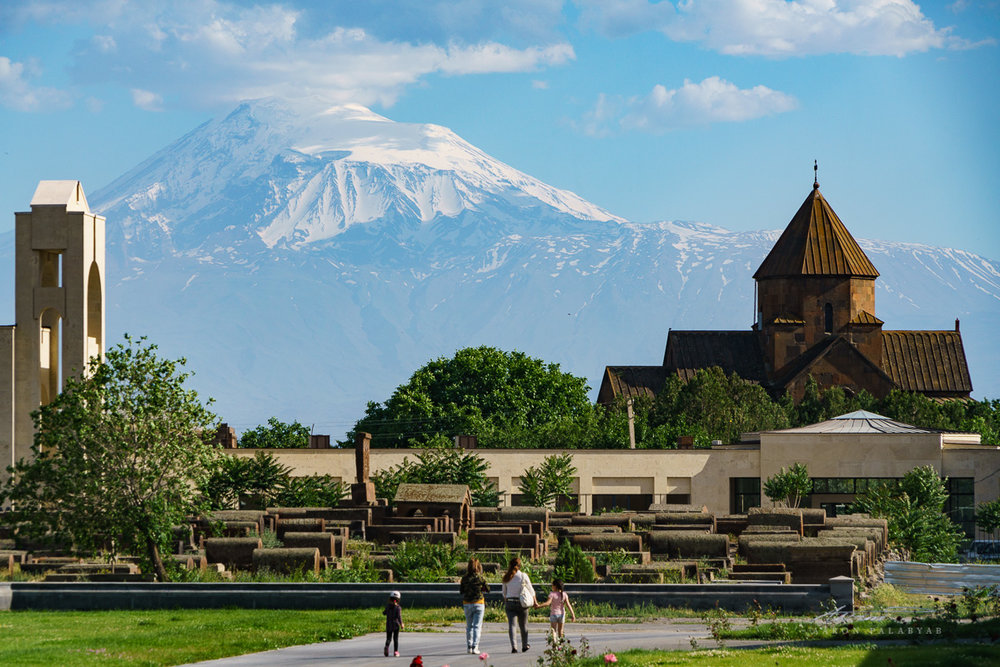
(474, 612)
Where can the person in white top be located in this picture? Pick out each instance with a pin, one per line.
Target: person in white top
(514, 581)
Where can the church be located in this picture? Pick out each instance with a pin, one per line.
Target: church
(815, 305)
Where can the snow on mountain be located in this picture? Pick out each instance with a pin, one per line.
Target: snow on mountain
(308, 262)
(271, 174)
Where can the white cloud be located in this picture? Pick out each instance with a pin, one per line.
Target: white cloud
(714, 100)
(540, 84)
(16, 91)
(147, 100)
(211, 53)
(778, 28)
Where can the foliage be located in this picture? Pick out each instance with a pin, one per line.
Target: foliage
(276, 435)
(551, 480)
(503, 398)
(360, 568)
(559, 652)
(914, 510)
(425, 561)
(440, 466)
(713, 406)
(237, 480)
(572, 565)
(118, 457)
(789, 486)
(311, 491)
(262, 481)
(988, 516)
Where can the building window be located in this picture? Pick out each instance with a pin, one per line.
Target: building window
(961, 503)
(569, 503)
(848, 485)
(744, 493)
(678, 498)
(828, 318)
(612, 502)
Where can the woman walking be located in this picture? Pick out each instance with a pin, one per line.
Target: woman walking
(473, 586)
(514, 582)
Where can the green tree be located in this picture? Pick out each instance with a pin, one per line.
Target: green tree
(276, 435)
(988, 516)
(262, 481)
(914, 510)
(789, 486)
(118, 458)
(713, 406)
(501, 397)
(440, 466)
(551, 480)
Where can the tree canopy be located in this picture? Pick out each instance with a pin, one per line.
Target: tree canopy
(119, 456)
(508, 399)
(914, 509)
(276, 435)
(503, 398)
(440, 466)
(789, 486)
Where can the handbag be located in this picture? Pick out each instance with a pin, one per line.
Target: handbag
(527, 595)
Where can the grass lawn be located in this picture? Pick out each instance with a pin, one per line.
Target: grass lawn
(181, 636)
(169, 637)
(868, 656)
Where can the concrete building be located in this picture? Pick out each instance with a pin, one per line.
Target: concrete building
(815, 294)
(59, 281)
(844, 456)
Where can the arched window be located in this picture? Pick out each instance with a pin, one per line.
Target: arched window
(828, 318)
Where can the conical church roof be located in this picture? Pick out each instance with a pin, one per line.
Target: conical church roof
(816, 243)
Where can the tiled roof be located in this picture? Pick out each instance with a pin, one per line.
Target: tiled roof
(733, 351)
(864, 317)
(634, 381)
(926, 361)
(816, 243)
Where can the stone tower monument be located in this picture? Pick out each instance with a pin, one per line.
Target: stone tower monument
(59, 278)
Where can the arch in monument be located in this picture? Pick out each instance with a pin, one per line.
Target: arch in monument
(95, 312)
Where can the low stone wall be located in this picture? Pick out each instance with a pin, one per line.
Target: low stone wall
(97, 596)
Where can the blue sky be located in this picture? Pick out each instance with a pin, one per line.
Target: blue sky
(708, 110)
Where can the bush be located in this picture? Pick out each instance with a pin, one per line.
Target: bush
(572, 565)
(440, 466)
(276, 435)
(789, 486)
(915, 512)
(423, 561)
(551, 480)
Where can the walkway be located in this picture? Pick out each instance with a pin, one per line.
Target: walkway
(445, 646)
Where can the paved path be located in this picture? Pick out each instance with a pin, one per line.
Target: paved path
(446, 645)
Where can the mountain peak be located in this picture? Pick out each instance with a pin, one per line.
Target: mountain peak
(291, 174)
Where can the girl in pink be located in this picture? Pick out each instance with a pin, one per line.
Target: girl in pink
(558, 603)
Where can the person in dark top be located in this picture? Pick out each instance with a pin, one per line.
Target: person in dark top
(393, 623)
(473, 586)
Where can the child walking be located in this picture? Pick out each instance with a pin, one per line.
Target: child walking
(558, 603)
(393, 623)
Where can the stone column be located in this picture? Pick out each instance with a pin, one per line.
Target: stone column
(362, 492)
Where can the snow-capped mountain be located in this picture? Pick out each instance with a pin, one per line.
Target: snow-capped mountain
(308, 262)
(273, 176)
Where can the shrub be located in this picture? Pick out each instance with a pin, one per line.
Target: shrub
(572, 565)
(423, 561)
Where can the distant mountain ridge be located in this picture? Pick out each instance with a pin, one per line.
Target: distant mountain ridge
(308, 262)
